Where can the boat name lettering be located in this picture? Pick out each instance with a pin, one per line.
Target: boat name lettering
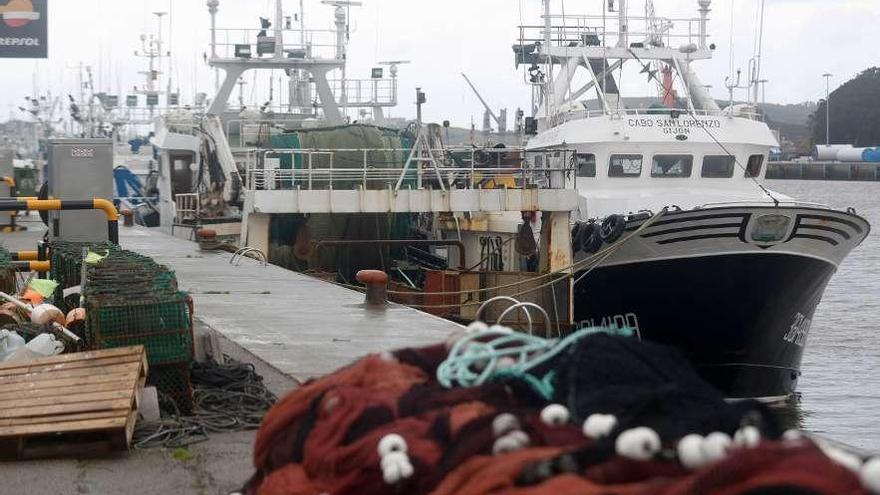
(675, 126)
(617, 322)
(799, 330)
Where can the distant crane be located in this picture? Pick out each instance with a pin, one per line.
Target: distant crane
(501, 121)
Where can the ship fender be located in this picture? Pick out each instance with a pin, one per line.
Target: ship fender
(612, 228)
(588, 238)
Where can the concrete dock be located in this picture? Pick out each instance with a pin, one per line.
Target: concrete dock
(302, 326)
(290, 326)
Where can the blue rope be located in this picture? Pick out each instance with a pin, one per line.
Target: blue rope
(499, 353)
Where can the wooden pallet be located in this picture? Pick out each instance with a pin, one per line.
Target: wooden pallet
(70, 405)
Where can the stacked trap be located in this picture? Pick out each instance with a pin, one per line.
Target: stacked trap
(131, 300)
(67, 267)
(7, 273)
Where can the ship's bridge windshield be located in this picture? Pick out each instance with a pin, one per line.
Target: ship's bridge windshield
(670, 166)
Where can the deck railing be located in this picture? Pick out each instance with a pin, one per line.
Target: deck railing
(187, 207)
(448, 168)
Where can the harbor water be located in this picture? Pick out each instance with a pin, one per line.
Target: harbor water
(840, 385)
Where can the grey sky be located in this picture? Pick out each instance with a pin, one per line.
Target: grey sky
(804, 38)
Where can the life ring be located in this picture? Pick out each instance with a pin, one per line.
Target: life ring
(589, 238)
(612, 228)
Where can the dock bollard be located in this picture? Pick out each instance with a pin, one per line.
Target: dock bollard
(377, 286)
(207, 239)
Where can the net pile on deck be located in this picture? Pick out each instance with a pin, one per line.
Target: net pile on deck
(493, 411)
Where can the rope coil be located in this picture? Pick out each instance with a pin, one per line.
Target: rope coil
(499, 352)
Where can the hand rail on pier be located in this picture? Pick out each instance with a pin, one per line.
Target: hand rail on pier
(57, 204)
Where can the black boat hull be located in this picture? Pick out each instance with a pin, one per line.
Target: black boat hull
(742, 319)
(734, 287)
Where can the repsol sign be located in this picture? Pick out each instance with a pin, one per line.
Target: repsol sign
(23, 29)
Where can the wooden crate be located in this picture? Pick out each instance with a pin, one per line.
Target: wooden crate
(70, 405)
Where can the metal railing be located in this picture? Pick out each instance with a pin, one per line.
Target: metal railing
(187, 207)
(572, 30)
(365, 92)
(379, 169)
(767, 202)
(297, 43)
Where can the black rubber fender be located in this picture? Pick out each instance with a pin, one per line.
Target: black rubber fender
(589, 238)
(612, 228)
(575, 245)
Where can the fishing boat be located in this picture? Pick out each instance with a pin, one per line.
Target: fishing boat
(707, 258)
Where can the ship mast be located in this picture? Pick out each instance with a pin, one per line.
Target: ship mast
(548, 40)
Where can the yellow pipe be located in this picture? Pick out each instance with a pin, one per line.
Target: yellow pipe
(9, 181)
(28, 256)
(40, 266)
(109, 209)
(34, 266)
(43, 204)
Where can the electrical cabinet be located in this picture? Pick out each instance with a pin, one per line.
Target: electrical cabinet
(80, 169)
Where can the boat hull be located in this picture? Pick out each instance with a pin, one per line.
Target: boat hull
(740, 310)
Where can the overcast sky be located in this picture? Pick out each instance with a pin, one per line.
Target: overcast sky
(442, 38)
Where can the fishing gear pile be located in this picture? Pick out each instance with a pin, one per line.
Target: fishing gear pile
(495, 411)
(129, 299)
(228, 396)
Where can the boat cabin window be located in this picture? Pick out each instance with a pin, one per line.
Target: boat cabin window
(753, 169)
(539, 161)
(718, 166)
(672, 166)
(625, 166)
(586, 164)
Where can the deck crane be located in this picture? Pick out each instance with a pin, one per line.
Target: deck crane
(501, 121)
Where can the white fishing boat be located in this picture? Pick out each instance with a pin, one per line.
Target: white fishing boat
(730, 271)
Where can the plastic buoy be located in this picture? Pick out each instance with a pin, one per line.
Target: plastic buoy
(511, 442)
(504, 423)
(747, 437)
(33, 297)
(716, 446)
(393, 458)
(870, 475)
(690, 451)
(599, 426)
(638, 444)
(555, 415)
(45, 314)
(396, 468)
(792, 436)
(391, 443)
